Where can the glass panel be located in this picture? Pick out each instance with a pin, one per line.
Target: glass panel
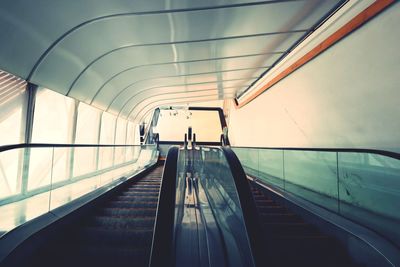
(271, 167)
(61, 159)
(84, 160)
(10, 183)
(369, 190)
(48, 183)
(366, 191)
(34, 184)
(249, 159)
(120, 138)
(40, 167)
(130, 140)
(312, 175)
(106, 155)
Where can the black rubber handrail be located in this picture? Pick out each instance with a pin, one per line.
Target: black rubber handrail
(162, 247)
(32, 145)
(249, 209)
(386, 153)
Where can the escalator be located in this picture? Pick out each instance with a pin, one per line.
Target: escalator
(204, 213)
(117, 232)
(290, 241)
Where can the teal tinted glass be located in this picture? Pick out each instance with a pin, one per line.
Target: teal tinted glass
(363, 187)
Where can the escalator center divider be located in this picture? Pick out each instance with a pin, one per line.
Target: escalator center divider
(249, 209)
(162, 244)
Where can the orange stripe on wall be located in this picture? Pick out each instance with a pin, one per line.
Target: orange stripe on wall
(356, 22)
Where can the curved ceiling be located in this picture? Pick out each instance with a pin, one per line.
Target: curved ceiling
(130, 56)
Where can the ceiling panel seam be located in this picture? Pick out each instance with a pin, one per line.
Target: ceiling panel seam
(132, 84)
(181, 10)
(182, 84)
(184, 62)
(179, 42)
(182, 92)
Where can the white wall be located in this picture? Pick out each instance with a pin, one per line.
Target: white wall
(349, 96)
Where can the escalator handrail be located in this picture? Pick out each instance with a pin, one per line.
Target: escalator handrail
(249, 209)
(49, 145)
(386, 153)
(162, 247)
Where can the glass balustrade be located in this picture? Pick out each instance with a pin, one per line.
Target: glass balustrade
(363, 187)
(36, 180)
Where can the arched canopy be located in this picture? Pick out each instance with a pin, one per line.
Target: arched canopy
(129, 56)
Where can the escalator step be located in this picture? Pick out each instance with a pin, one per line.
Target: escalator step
(141, 189)
(292, 242)
(280, 217)
(137, 198)
(120, 223)
(109, 256)
(272, 209)
(292, 229)
(140, 193)
(129, 204)
(155, 186)
(118, 238)
(129, 211)
(315, 248)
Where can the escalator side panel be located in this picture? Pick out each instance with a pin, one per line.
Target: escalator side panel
(113, 230)
(291, 241)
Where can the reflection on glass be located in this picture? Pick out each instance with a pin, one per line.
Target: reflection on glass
(363, 187)
(51, 109)
(270, 167)
(49, 180)
(369, 191)
(40, 166)
(84, 160)
(208, 208)
(312, 175)
(10, 180)
(249, 159)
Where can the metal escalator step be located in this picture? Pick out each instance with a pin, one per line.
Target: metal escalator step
(265, 202)
(140, 193)
(128, 211)
(101, 237)
(109, 256)
(304, 249)
(145, 184)
(262, 197)
(280, 217)
(142, 189)
(133, 187)
(130, 204)
(125, 222)
(292, 229)
(137, 198)
(272, 209)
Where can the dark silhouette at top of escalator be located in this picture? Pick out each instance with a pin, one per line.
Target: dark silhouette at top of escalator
(290, 241)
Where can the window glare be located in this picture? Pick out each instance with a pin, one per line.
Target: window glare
(52, 109)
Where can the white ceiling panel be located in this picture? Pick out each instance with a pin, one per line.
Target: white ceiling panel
(123, 54)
